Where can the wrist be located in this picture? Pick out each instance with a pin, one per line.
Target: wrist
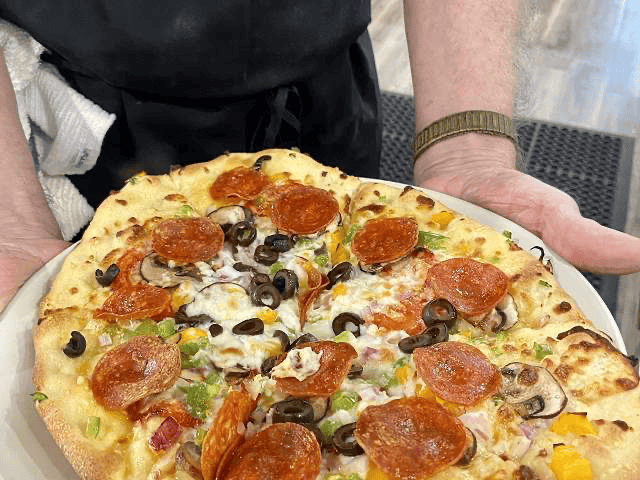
(470, 152)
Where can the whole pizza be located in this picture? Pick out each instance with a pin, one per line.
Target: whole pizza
(262, 316)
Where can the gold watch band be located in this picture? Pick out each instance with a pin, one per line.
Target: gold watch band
(473, 121)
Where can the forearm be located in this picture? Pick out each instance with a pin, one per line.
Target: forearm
(25, 212)
(461, 55)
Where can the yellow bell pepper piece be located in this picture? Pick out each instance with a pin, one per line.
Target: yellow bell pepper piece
(572, 423)
(443, 219)
(402, 374)
(374, 473)
(339, 289)
(191, 334)
(337, 252)
(568, 464)
(267, 316)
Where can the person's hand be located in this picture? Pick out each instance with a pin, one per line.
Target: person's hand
(486, 178)
(20, 258)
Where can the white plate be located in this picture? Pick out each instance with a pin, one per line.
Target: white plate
(28, 451)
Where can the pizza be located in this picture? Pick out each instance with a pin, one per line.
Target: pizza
(262, 316)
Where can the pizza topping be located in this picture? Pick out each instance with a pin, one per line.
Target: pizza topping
(434, 334)
(266, 295)
(241, 233)
(165, 435)
(188, 458)
(335, 362)
(439, 310)
(265, 255)
(286, 282)
(231, 215)
(135, 302)
(134, 370)
(155, 270)
(295, 410)
(474, 288)
(223, 432)
(299, 363)
(105, 278)
(284, 339)
(316, 282)
(252, 326)
(347, 321)
(344, 440)
(340, 273)
(304, 210)
(384, 240)
(470, 452)
(532, 391)
(457, 372)
(76, 345)
(304, 338)
(279, 242)
(286, 451)
(187, 240)
(411, 437)
(568, 464)
(242, 182)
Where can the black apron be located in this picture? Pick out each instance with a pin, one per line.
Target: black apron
(192, 79)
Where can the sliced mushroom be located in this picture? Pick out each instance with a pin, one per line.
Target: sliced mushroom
(532, 391)
(502, 317)
(320, 407)
(230, 215)
(155, 270)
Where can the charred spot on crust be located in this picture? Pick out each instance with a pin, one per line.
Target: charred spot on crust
(372, 208)
(562, 307)
(424, 201)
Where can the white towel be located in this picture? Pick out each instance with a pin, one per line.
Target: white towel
(64, 129)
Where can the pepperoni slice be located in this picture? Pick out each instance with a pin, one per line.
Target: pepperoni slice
(223, 432)
(457, 372)
(134, 370)
(128, 263)
(176, 410)
(474, 288)
(335, 364)
(284, 451)
(187, 240)
(383, 240)
(316, 282)
(133, 302)
(304, 210)
(410, 438)
(405, 315)
(242, 182)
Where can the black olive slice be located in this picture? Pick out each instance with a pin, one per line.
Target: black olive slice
(267, 365)
(371, 269)
(252, 326)
(258, 279)
(295, 410)
(541, 257)
(356, 370)
(284, 339)
(215, 329)
(241, 233)
(286, 282)
(106, 278)
(347, 321)
(76, 345)
(243, 267)
(435, 334)
(306, 338)
(340, 273)
(260, 161)
(471, 450)
(265, 255)
(345, 441)
(439, 311)
(279, 242)
(266, 295)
